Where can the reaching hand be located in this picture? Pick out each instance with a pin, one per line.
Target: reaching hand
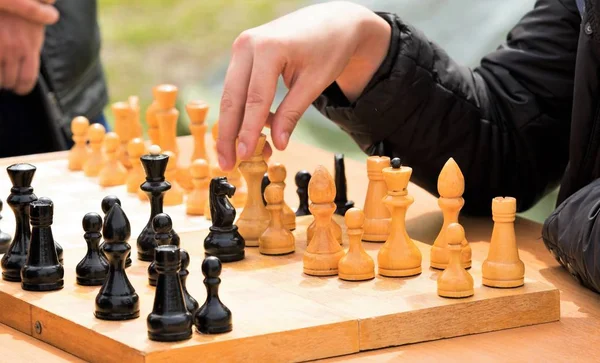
(37, 11)
(311, 48)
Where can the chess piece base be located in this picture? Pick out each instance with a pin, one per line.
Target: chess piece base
(225, 243)
(11, 275)
(312, 272)
(89, 282)
(116, 316)
(277, 251)
(400, 273)
(173, 337)
(357, 277)
(43, 287)
(216, 330)
(456, 294)
(503, 283)
(442, 266)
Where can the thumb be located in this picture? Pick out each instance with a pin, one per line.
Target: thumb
(32, 10)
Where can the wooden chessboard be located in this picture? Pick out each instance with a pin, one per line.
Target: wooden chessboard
(279, 314)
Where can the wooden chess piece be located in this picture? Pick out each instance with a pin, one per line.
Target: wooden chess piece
(377, 215)
(213, 317)
(117, 299)
(124, 128)
(106, 205)
(95, 161)
(455, 281)
(5, 238)
(197, 199)
(197, 111)
(167, 115)
(341, 200)
(21, 194)
(173, 196)
(163, 227)
(155, 187)
(503, 267)
(336, 229)
(277, 175)
(254, 218)
(42, 270)
(399, 256)
(302, 179)
(59, 249)
(451, 185)
(277, 239)
(169, 320)
(190, 303)
(135, 176)
(356, 265)
(92, 269)
(113, 172)
(134, 104)
(152, 122)
(323, 253)
(79, 152)
(224, 239)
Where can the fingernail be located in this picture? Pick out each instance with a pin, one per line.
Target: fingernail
(241, 149)
(285, 138)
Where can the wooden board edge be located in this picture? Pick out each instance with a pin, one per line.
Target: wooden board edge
(15, 313)
(474, 317)
(292, 346)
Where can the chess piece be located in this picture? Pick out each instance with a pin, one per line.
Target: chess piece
(173, 196)
(302, 179)
(323, 253)
(59, 249)
(152, 122)
(163, 227)
(377, 215)
(190, 303)
(234, 176)
(254, 218)
(124, 126)
(197, 199)
(455, 281)
(134, 104)
(399, 256)
(155, 186)
(79, 152)
(21, 194)
(167, 115)
(42, 270)
(113, 172)
(503, 267)
(95, 161)
(5, 238)
(263, 186)
(336, 229)
(277, 239)
(356, 265)
(117, 299)
(135, 176)
(451, 185)
(92, 269)
(197, 111)
(341, 200)
(224, 239)
(277, 175)
(169, 320)
(106, 205)
(213, 317)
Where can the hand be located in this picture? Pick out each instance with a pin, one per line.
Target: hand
(311, 48)
(20, 46)
(37, 11)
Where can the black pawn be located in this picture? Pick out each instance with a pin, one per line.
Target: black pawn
(106, 205)
(190, 302)
(59, 249)
(162, 226)
(21, 194)
(396, 163)
(302, 180)
(92, 269)
(117, 299)
(155, 187)
(341, 202)
(42, 270)
(223, 240)
(169, 320)
(263, 186)
(213, 317)
(5, 238)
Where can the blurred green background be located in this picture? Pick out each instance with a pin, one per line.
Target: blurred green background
(187, 43)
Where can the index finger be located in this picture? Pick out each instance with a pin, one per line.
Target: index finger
(32, 10)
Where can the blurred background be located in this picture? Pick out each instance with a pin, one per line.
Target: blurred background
(187, 43)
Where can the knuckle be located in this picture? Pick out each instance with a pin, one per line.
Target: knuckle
(254, 100)
(226, 102)
(291, 117)
(243, 41)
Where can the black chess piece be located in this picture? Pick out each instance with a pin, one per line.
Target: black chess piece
(263, 186)
(117, 299)
(190, 302)
(21, 194)
(59, 249)
(92, 269)
(302, 180)
(42, 270)
(223, 239)
(107, 203)
(341, 202)
(162, 225)
(5, 238)
(155, 187)
(396, 163)
(213, 317)
(169, 320)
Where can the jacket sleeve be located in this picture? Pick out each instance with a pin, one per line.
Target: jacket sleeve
(505, 122)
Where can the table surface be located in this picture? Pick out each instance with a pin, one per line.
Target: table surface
(574, 338)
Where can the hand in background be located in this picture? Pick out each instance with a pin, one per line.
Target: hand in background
(311, 48)
(37, 11)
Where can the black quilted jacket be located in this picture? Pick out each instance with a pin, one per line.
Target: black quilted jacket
(522, 123)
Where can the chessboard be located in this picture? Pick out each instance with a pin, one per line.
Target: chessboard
(279, 313)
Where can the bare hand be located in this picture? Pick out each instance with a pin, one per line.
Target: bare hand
(20, 46)
(37, 11)
(311, 48)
